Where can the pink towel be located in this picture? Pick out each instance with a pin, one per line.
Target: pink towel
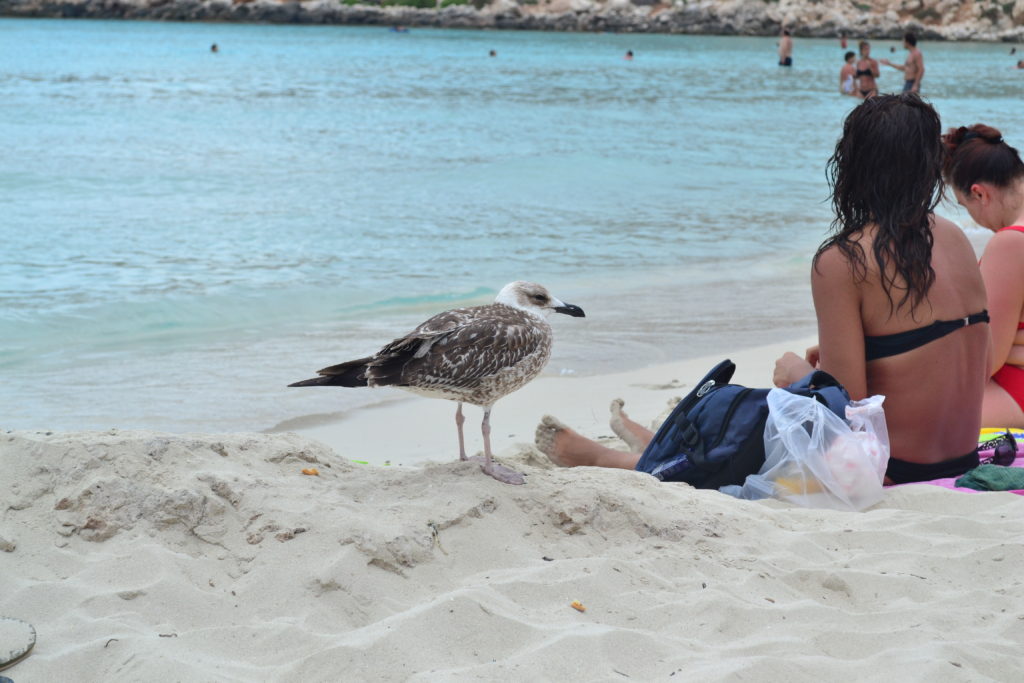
(949, 482)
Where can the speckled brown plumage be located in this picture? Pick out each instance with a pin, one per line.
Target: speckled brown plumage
(470, 355)
(475, 355)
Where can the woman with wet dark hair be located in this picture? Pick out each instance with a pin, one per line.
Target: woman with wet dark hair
(898, 295)
(987, 177)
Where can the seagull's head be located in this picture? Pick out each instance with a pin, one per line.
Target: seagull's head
(535, 299)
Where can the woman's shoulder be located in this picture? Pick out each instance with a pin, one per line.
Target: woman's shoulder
(1005, 247)
(1010, 235)
(834, 264)
(947, 233)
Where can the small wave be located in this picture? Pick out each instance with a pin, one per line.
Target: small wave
(183, 321)
(401, 302)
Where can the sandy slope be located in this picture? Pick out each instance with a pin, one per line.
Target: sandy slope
(153, 557)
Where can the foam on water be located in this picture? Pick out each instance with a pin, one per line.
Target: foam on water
(184, 233)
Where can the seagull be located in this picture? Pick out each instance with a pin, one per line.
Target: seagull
(470, 355)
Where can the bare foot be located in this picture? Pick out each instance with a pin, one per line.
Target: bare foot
(499, 472)
(565, 447)
(636, 436)
(546, 436)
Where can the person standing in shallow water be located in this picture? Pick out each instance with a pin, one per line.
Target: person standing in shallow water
(786, 49)
(867, 71)
(847, 80)
(913, 68)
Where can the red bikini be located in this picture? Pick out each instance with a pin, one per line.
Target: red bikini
(1011, 377)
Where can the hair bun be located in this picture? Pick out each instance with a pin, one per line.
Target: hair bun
(980, 130)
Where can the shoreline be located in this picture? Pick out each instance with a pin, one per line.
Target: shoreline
(882, 19)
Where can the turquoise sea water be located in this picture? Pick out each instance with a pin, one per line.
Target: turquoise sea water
(183, 233)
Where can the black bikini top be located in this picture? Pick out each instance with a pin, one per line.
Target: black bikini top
(901, 342)
(864, 72)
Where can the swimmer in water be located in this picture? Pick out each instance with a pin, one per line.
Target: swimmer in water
(867, 72)
(786, 49)
(913, 68)
(847, 78)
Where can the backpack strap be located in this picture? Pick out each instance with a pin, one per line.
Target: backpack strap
(678, 435)
(720, 374)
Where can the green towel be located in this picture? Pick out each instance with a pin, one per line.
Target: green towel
(993, 478)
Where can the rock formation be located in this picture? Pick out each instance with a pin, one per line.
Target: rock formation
(987, 20)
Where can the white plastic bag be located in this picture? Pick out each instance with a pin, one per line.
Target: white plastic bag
(814, 459)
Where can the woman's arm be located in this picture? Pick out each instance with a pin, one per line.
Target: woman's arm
(837, 304)
(1002, 269)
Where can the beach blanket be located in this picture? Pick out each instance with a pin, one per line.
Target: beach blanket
(987, 433)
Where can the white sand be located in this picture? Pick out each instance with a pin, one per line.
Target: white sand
(152, 557)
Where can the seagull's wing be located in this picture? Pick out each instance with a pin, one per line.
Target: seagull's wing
(459, 348)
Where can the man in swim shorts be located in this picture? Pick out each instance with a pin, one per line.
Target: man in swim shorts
(913, 68)
(786, 49)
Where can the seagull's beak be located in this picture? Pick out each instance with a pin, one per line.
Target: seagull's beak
(569, 309)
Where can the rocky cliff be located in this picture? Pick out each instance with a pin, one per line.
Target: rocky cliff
(988, 20)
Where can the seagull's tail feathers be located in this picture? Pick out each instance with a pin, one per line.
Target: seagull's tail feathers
(350, 374)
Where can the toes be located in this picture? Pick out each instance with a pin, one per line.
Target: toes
(544, 437)
(553, 423)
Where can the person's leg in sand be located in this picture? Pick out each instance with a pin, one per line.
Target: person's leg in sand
(568, 448)
(635, 435)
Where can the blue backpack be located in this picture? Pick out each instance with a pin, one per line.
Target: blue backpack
(715, 436)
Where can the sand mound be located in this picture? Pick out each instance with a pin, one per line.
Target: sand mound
(145, 556)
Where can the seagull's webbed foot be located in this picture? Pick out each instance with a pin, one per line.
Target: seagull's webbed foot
(499, 472)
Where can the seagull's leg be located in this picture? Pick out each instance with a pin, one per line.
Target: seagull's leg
(459, 421)
(485, 427)
(499, 472)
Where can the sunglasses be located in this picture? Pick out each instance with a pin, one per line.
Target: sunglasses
(1001, 450)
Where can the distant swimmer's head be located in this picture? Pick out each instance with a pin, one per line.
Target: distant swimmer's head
(493, 53)
(848, 57)
(629, 54)
(1020, 63)
(214, 48)
(886, 171)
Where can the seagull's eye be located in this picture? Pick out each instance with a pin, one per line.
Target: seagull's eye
(539, 298)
